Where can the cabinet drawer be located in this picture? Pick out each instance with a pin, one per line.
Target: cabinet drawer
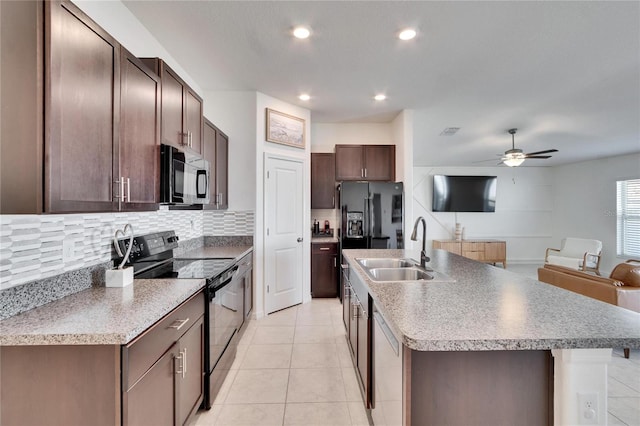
(139, 355)
(472, 246)
(324, 248)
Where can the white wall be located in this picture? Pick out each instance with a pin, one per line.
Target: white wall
(118, 21)
(325, 136)
(523, 216)
(402, 128)
(262, 147)
(584, 202)
(235, 114)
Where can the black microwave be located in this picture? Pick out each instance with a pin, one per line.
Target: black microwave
(184, 177)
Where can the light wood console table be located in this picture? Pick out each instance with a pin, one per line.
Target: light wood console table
(488, 251)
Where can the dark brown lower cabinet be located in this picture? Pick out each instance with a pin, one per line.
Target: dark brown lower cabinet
(157, 379)
(163, 369)
(324, 269)
(150, 400)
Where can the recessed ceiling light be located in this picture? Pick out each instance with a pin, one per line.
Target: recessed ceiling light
(407, 34)
(380, 97)
(301, 32)
(304, 97)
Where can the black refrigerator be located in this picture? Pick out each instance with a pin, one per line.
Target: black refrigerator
(371, 215)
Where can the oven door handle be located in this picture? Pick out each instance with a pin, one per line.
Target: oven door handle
(228, 280)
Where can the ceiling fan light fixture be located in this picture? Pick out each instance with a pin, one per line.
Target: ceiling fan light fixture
(513, 161)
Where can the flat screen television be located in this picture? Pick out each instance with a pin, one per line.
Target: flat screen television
(464, 193)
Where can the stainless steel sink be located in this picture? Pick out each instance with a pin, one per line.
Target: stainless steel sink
(400, 274)
(386, 263)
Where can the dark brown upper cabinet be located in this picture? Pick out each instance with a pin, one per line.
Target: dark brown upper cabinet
(365, 162)
(22, 112)
(82, 100)
(139, 143)
(216, 152)
(90, 126)
(182, 109)
(323, 181)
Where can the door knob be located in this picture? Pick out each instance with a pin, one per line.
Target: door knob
(299, 239)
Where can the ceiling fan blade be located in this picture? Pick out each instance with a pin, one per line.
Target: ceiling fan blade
(484, 161)
(542, 152)
(537, 156)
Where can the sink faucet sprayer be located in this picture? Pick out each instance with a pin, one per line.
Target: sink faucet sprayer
(423, 254)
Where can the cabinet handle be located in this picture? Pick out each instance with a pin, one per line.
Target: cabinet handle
(184, 365)
(128, 190)
(120, 195)
(361, 172)
(221, 195)
(346, 293)
(324, 248)
(191, 139)
(180, 369)
(354, 310)
(365, 172)
(177, 324)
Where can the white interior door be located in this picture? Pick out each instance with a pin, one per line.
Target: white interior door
(283, 232)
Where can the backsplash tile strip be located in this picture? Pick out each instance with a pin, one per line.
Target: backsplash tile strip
(31, 245)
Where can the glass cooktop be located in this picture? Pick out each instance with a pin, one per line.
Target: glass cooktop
(199, 268)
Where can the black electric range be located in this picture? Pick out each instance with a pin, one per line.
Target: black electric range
(152, 258)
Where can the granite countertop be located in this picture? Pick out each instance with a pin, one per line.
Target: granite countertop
(99, 315)
(108, 315)
(320, 240)
(489, 308)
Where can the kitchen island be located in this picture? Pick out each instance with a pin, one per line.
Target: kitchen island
(481, 350)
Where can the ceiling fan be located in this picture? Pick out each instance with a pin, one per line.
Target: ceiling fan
(514, 156)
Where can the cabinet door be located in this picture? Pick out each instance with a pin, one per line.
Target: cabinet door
(363, 347)
(190, 381)
(139, 152)
(323, 178)
(82, 91)
(193, 119)
(324, 270)
(209, 154)
(222, 170)
(248, 294)
(380, 162)
(346, 303)
(495, 250)
(172, 107)
(349, 162)
(353, 325)
(151, 400)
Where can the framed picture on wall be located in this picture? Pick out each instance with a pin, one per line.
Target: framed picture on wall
(285, 129)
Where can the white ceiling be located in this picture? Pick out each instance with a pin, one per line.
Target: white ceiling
(566, 73)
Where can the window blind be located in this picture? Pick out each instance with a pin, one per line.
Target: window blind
(628, 217)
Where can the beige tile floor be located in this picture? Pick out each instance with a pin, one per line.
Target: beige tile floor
(294, 368)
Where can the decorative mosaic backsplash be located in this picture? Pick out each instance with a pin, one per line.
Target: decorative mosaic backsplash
(31, 246)
(229, 223)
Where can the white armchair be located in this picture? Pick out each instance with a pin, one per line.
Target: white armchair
(576, 253)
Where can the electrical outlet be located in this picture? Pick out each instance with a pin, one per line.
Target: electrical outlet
(588, 408)
(68, 249)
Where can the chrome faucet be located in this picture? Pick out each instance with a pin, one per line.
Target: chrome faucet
(423, 254)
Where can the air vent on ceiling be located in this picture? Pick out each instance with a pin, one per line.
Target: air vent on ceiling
(449, 131)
